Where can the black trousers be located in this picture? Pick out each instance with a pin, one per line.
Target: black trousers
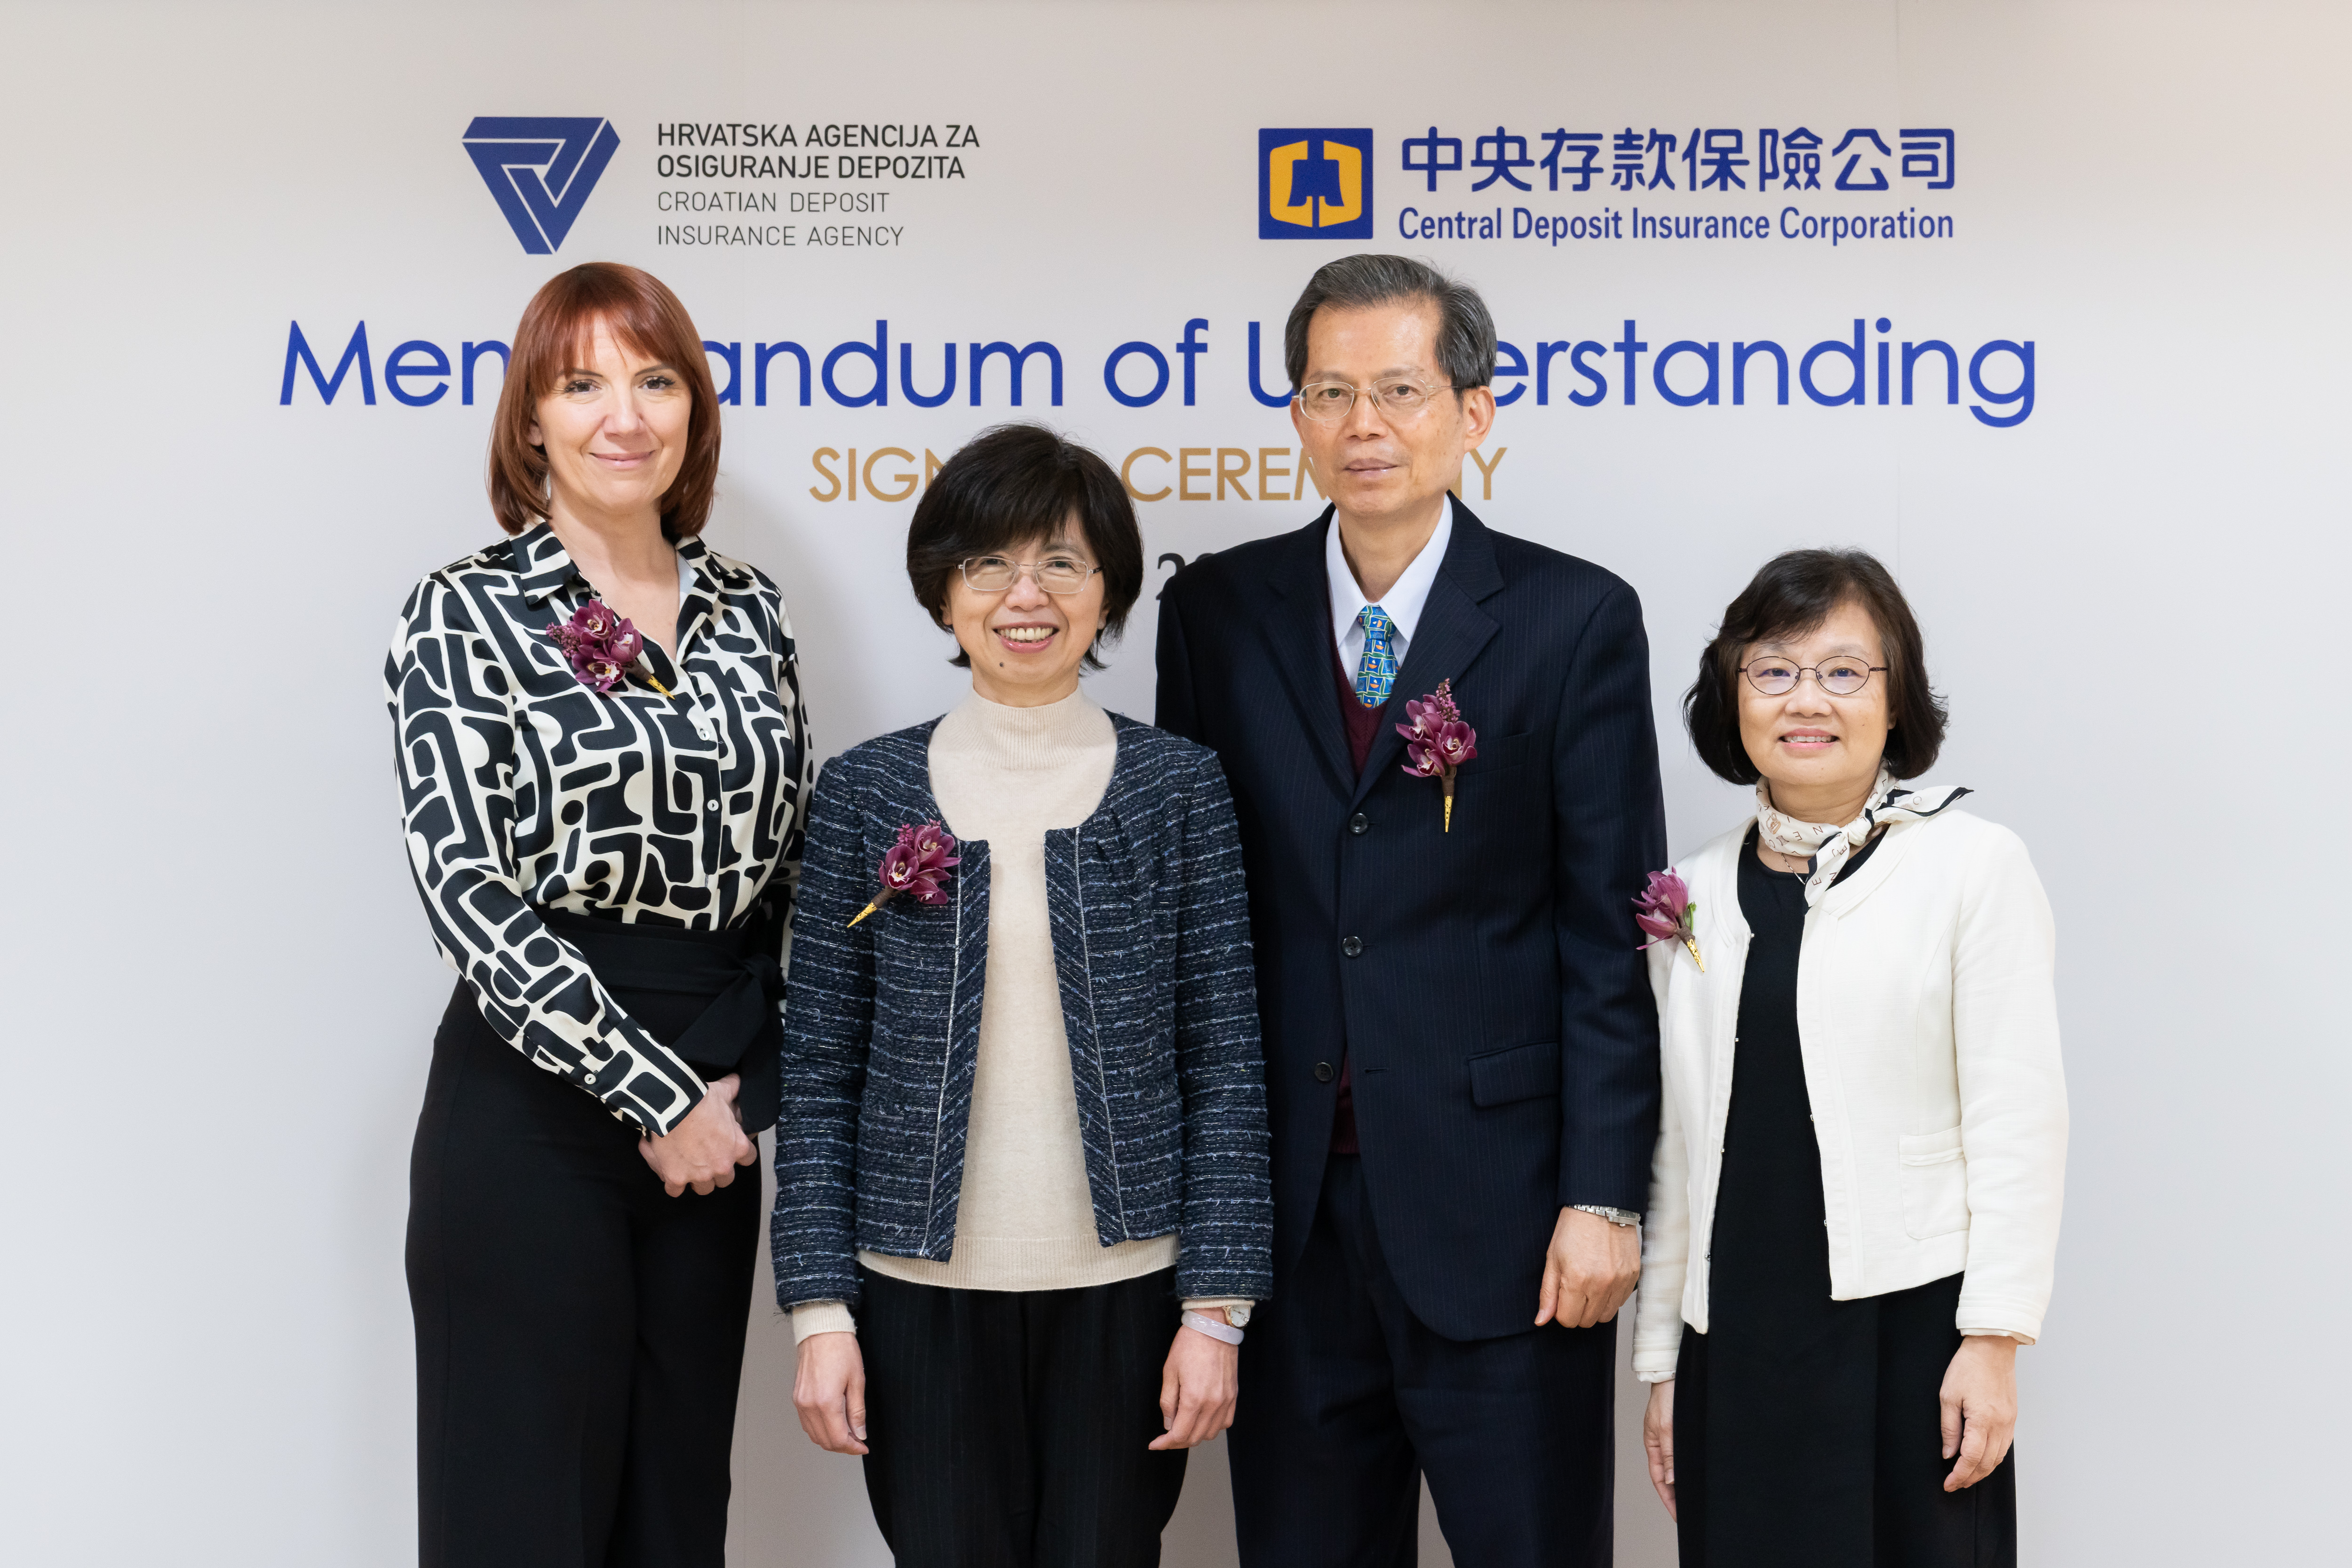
(579, 1333)
(1012, 1428)
(1347, 1400)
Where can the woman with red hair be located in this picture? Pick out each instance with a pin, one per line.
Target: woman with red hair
(604, 766)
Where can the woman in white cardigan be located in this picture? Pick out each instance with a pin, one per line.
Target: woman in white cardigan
(1855, 1206)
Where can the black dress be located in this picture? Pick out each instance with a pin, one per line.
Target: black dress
(1807, 1431)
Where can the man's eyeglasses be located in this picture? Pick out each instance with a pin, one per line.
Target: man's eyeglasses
(1838, 677)
(1329, 402)
(1056, 573)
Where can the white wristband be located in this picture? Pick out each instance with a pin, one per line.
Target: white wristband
(1202, 1323)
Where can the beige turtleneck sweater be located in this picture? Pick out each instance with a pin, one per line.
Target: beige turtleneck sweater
(1026, 1218)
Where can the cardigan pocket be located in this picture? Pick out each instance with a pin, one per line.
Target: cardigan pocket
(1934, 1184)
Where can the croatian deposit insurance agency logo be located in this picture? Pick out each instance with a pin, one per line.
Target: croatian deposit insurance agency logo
(541, 171)
(1314, 185)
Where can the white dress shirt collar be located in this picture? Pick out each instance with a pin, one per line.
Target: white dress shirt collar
(1402, 603)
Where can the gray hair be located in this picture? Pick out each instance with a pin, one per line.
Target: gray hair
(1466, 332)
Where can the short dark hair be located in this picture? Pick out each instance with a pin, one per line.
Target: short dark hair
(1014, 483)
(1794, 594)
(1466, 332)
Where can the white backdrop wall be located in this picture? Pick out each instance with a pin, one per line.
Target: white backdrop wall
(217, 989)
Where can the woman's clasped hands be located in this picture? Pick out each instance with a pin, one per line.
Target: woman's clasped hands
(703, 1150)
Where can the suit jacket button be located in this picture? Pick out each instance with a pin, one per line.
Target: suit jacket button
(1352, 946)
(1359, 823)
(1323, 1073)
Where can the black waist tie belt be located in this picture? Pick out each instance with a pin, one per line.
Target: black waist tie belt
(711, 997)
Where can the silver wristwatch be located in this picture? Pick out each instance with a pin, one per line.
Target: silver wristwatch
(1614, 1216)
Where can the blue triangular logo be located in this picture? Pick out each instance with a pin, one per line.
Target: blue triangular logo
(541, 171)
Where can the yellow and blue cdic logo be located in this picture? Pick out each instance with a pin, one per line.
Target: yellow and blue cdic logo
(1314, 185)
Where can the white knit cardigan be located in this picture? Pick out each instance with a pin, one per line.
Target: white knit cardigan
(1928, 1019)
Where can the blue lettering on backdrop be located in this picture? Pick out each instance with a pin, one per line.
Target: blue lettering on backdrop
(298, 349)
(434, 364)
(1019, 357)
(1190, 349)
(878, 351)
(420, 360)
(1160, 368)
(1270, 399)
(467, 353)
(731, 357)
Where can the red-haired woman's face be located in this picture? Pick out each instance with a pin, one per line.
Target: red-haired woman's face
(614, 432)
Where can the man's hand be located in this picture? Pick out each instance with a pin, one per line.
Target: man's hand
(1198, 1389)
(829, 1391)
(1591, 1269)
(702, 1151)
(1658, 1441)
(1979, 1399)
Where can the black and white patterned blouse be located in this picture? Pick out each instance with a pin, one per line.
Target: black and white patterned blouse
(522, 789)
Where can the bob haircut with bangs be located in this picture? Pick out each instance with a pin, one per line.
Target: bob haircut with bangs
(557, 335)
(1792, 594)
(1007, 487)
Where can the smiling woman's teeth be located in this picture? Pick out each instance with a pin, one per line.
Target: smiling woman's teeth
(1024, 633)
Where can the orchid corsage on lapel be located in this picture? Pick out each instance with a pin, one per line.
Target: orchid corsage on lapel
(602, 646)
(1665, 909)
(1438, 741)
(917, 865)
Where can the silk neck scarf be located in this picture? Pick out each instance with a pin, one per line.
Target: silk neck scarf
(1828, 848)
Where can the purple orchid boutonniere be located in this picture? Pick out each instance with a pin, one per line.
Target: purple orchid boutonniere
(917, 865)
(1438, 741)
(602, 647)
(1665, 911)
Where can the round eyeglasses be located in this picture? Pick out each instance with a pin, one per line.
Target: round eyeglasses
(1329, 402)
(1838, 677)
(995, 574)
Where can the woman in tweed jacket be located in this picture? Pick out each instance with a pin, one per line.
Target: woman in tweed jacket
(1023, 1204)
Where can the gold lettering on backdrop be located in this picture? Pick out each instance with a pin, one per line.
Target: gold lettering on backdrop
(905, 482)
(1306, 477)
(1268, 472)
(1186, 473)
(817, 459)
(1126, 473)
(1277, 473)
(1237, 472)
(1487, 471)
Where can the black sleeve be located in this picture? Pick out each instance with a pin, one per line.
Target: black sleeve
(1175, 710)
(1611, 832)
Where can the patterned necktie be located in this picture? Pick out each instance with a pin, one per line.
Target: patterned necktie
(1376, 672)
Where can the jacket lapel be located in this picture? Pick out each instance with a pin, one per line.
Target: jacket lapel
(1453, 631)
(1840, 900)
(1297, 623)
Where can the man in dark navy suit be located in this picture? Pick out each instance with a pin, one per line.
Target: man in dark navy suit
(1461, 1048)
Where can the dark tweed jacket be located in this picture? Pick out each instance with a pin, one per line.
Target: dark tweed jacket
(1158, 998)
